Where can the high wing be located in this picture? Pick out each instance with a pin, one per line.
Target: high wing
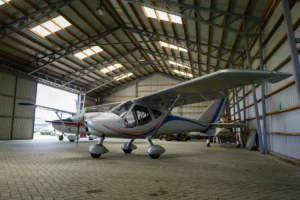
(102, 108)
(46, 108)
(229, 125)
(211, 86)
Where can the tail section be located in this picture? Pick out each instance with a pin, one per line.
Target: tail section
(212, 113)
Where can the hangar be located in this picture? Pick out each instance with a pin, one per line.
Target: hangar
(110, 51)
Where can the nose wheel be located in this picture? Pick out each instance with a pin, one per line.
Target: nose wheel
(95, 155)
(128, 147)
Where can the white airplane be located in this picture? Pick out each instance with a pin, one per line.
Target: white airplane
(73, 125)
(150, 116)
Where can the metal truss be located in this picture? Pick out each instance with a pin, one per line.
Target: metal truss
(54, 56)
(192, 46)
(30, 18)
(42, 77)
(97, 66)
(167, 57)
(198, 13)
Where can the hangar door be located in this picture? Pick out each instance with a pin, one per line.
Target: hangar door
(16, 122)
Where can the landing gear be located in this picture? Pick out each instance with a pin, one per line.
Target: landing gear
(97, 150)
(154, 151)
(61, 137)
(208, 142)
(128, 147)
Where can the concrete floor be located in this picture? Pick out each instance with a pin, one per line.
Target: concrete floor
(49, 169)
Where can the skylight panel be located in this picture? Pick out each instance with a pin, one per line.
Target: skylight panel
(80, 55)
(162, 15)
(149, 12)
(41, 31)
(97, 49)
(3, 2)
(111, 68)
(62, 22)
(88, 52)
(183, 73)
(123, 76)
(175, 19)
(178, 64)
(51, 26)
(163, 44)
(104, 70)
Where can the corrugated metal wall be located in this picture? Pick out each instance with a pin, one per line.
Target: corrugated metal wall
(276, 51)
(16, 122)
(153, 84)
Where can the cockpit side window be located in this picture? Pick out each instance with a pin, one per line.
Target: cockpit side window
(122, 109)
(138, 116)
(156, 113)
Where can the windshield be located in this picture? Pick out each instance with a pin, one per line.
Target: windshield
(122, 109)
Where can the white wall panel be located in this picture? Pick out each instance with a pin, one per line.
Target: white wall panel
(26, 88)
(6, 106)
(22, 129)
(5, 128)
(285, 145)
(7, 82)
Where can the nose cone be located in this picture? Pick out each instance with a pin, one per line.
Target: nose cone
(94, 121)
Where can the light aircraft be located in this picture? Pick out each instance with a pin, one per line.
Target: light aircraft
(149, 116)
(71, 125)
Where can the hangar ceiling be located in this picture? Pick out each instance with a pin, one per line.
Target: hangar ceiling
(71, 45)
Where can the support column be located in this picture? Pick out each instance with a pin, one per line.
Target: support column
(261, 145)
(292, 44)
(263, 92)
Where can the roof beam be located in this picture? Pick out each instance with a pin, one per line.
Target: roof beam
(191, 45)
(193, 12)
(56, 55)
(21, 23)
(42, 77)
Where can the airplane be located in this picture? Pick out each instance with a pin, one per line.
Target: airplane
(150, 115)
(70, 125)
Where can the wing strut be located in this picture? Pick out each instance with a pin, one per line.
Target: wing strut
(61, 120)
(169, 111)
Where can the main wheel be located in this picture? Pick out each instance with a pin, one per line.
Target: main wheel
(72, 140)
(61, 137)
(127, 151)
(154, 156)
(95, 155)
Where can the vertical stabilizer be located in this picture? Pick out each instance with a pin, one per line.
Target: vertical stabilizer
(212, 113)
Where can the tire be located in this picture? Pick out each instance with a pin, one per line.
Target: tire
(95, 155)
(154, 156)
(61, 138)
(168, 138)
(127, 151)
(208, 144)
(72, 140)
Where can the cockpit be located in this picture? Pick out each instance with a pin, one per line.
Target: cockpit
(135, 115)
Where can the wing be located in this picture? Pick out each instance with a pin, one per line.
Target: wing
(102, 108)
(229, 125)
(45, 108)
(211, 86)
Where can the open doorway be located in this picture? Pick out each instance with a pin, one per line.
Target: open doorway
(54, 98)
